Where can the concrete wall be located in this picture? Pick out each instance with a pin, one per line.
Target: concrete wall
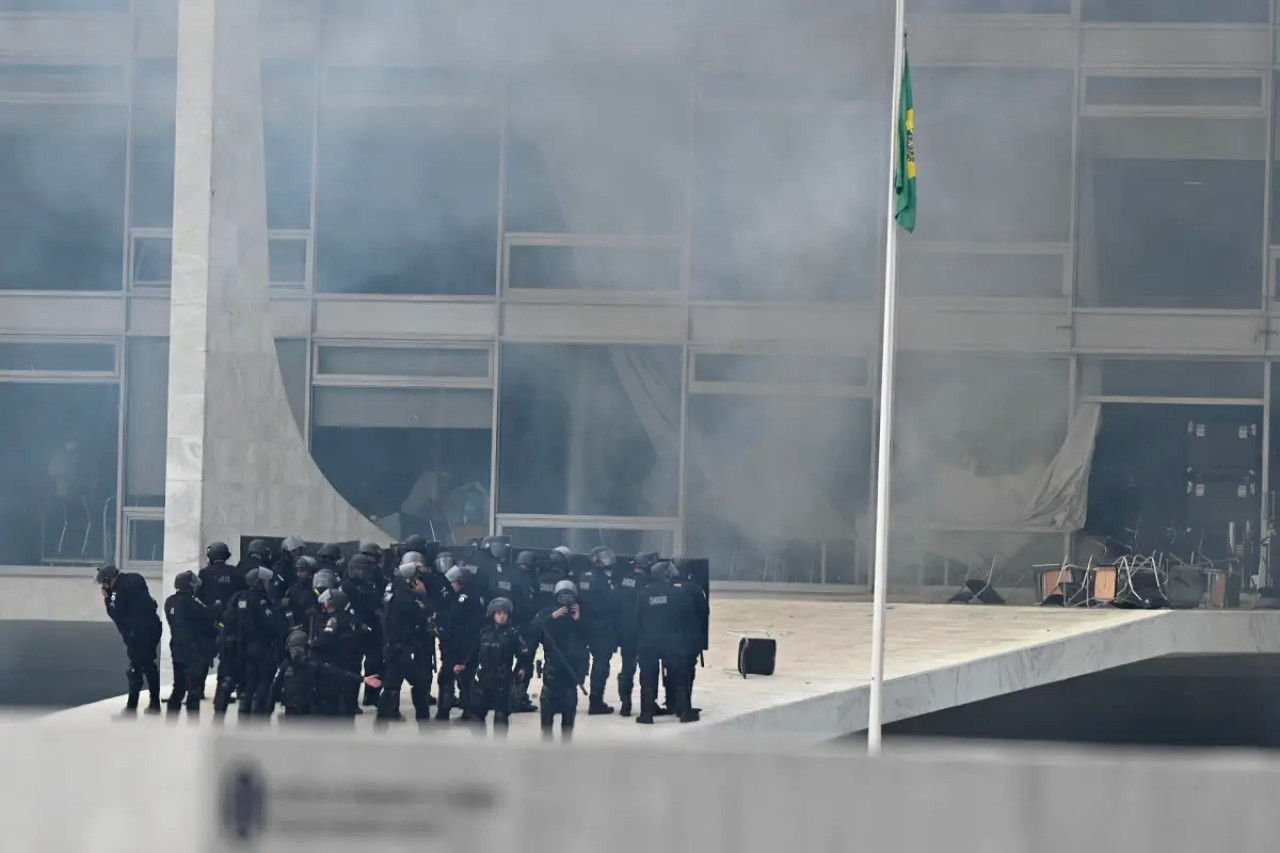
(316, 791)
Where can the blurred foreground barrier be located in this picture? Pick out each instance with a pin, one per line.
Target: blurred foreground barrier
(118, 787)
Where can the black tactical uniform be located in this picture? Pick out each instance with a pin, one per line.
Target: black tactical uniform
(554, 570)
(565, 658)
(231, 657)
(130, 606)
(697, 638)
(665, 620)
(262, 630)
(461, 625)
(627, 589)
(256, 556)
(193, 641)
(299, 601)
(524, 585)
(376, 575)
(218, 580)
(494, 657)
(365, 591)
(336, 643)
(285, 564)
(298, 680)
(405, 618)
(596, 593)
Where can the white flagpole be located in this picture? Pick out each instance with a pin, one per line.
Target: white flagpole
(888, 347)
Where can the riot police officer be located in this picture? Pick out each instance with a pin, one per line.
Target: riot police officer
(461, 625)
(495, 657)
(218, 580)
(193, 638)
(262, 631)
(627, 589)
(286, 562)
(256, 556)
(297, 681)
(596, 594)
(130, 606)
(554, 570)
(680, 579)
(524, 585)
(336, 643)
(666, 618)
(373, 551)
(299, 601)
(365, 594)
(565, 658)
(405, 616)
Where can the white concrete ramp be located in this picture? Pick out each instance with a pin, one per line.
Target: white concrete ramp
(938, 657)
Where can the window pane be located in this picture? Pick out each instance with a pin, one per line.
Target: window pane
(1104, 90)
(589, 430)
(64, 5)
(292, 355)
(988, 7)
(288, 259)
(407, 202)
(997, 145)
(985, 274)
(288, 113)
(1164, 378)
(773, 483)
(62, 168)
(595, 268)
(774, 369)
(604, 153)
(1176, 233)
(152, 261)
(416, 461)
(1178, 11)
(146, 421)
(146, 540)
(59, 473)
(155, 94)
(782, 210)
(403, 361)
(93, 358)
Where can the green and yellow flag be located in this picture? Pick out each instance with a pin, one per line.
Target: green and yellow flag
(904, 171)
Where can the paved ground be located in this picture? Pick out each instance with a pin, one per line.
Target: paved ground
(823, 646)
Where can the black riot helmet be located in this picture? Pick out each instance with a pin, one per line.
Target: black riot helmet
(645, 560)
(297, 646)
(566, 593)
(559, 559)
(324, 579)
(372, 549)
(218, 552)
(293, 545)
(415, 543)
(407, 573)
(333, 596)
(603, 557)
(106, 575)
(661, 572)
(444, 562)
(306, 566)
(499, 604)
(186, 582)
(257, 548)
(525, 560)
(361, 567)
(329, 551)
(497, 546)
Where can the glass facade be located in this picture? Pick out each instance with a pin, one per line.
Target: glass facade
(632, 299)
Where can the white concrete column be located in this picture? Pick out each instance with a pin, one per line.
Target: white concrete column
(236, 463)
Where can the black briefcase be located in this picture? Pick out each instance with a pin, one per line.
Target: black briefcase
(757, 655)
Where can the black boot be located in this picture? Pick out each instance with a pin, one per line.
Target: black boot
(371, 695)
(625, 706)
(388, 707)
(648, 704)
(597, 705)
